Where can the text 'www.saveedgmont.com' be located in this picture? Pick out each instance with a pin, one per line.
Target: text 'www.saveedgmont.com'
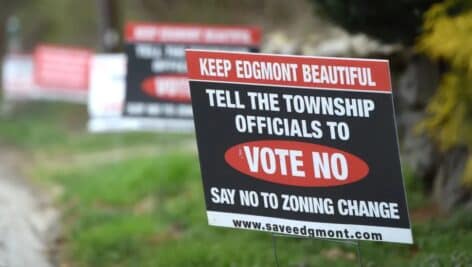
(306, 231)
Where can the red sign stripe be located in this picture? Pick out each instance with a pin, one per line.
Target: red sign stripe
(192, 34)
(280, 70)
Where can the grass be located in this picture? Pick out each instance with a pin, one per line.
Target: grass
(148, 209)
(59, 127)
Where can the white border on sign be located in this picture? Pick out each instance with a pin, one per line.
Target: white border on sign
(390, 234)
(120, 124)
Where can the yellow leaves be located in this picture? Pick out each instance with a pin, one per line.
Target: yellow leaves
(448, 37)
(467, 177)
(439, 124)
(449, 112)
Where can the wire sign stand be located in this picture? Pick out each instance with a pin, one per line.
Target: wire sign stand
(349, 242)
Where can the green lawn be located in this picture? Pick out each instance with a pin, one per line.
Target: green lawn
(147, 209)
(61, 127)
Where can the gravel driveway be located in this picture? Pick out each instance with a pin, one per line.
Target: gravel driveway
(27, 220)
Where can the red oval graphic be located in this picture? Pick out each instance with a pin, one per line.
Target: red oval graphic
(167, 87)
(296, 163)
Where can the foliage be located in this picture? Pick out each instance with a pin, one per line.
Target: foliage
(148, 209)
(75, 23)
(57, 21)
(448, 36)
(387, 20)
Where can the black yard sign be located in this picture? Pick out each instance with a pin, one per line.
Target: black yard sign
(156, 81)
(299, 145)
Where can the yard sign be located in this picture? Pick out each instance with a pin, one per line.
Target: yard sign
(299, 145)
(156, 82)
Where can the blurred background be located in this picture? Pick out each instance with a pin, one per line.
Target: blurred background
(72, 198)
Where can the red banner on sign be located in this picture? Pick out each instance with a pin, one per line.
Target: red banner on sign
(192, 34)
(61, 68)
(309, 72)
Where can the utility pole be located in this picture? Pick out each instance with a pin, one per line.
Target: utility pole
(109, 25)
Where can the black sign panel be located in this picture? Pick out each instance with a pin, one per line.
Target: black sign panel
(156, 82)
(298, 145)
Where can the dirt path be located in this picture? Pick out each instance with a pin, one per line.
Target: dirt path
(27, 220)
